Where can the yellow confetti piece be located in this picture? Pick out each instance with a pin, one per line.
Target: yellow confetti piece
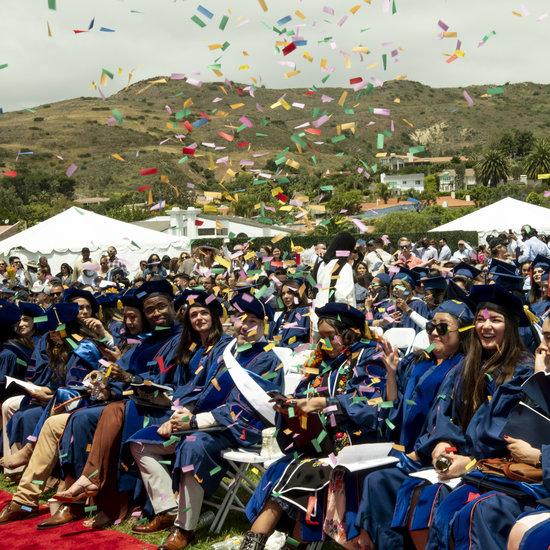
(244, 67)
(308, 57)
(215, 46)
(284, 105)
(263, 5)
(471, 464)
(360, 49)
(408, 123)
(343, 98)
(236, 105)
(216, 384)
(399, 448)
(290, 74)
(299, 14)
(116, 156)
(355, 9)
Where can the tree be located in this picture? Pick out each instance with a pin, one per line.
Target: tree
(348, 200)
(538, 161)
(383, 192)
(492, 168)
(534, 198)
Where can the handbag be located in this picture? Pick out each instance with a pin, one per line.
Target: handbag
(516, 471)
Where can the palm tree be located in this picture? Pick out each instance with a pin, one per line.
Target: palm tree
(492, 168)
(538, 160)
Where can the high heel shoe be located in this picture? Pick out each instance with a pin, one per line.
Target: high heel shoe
(84, 494)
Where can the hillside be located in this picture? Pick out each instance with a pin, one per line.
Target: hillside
(148, 117)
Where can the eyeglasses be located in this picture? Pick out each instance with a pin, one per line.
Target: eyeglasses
(441, 328)
(404, 246)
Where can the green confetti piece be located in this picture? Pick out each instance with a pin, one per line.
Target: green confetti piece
(146, 421)
(198, 21)
(166, 462)
(225, 45)
(292, 542)
(380, 141)
(291, 413)
(93, 474)
(41, 319)
(385, 60)
(321, 436)
(386, 405)
(410, 402)
(37, 482)
(223, 22)
(390, 424)
(107, 73)
(71, 343)
(215, 470)
(60, 328)
(244, 347)
(499, 90)
(173, 439)
(275, 494)
(325, 78)
(489, 377)
(90, 509)
(259, 134)
(117, 115)
(337, 139)
(315, 443)
(51, 5)
(20, 361)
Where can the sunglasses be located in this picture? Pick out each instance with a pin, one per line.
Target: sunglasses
(441, 328)
(404, 247)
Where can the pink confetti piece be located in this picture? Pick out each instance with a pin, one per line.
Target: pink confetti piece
(360, 225)
(384, 112)
(177, 76)
(246, 121)
(328, 10)
(485, 313)
(188, 468)
(443, 25)
(320, 121)
(71, 170)
(468, 98)
(342, 253)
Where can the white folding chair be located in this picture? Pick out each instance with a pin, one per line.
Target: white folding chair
(401, 338)
(421, 341)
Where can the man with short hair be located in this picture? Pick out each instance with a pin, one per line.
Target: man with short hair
(445, 253)
(532, 245)
(376, 257)
(56, 291)
(405, 256)
(464, 251)
(114, 262)
(17, 264)
(84, 259)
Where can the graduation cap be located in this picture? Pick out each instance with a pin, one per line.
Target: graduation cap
(487, 295)
(9, 315)
(457, 309)
(506, 275)
(109, 299)
(343, 313)
(129, 298)
(30, 310)
(59, 314)
(244, 302)
(384, 278)
(200, 298)
(408, 275)
(424, 272)
(502, 268)
(541, 262)
(73, 293)
(435, 283)
(160, 286)
(466, 270)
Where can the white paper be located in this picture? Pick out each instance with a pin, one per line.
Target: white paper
(27, 385)
(363, 457)
(432, 476)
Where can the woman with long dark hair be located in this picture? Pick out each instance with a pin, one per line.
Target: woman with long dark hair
(292, 328)
(65, 274)
(413, 384)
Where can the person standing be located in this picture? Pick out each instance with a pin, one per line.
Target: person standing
(85, 258)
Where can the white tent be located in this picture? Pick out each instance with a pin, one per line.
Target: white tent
(501, 216)
(62, 237)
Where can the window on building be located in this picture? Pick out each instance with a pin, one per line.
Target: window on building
(207, 231)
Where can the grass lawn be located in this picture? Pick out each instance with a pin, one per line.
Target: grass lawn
(235, 524)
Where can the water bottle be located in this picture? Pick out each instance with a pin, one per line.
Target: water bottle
(229, 544)
(205, 520)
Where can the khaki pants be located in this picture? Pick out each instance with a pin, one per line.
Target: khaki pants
(43, 460)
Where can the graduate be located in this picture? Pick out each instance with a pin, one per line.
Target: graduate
(292, 327)
(335, 405)
(416, 381)
(539, 297)
(466, 275)
(378, 300)
(110, 314)
(414, 311)
(468, 418)
(17, 339)
(225, 415)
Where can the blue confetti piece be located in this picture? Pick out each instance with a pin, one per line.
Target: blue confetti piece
(300, 43)
(284, 20)
(105, 29)
(205, 12)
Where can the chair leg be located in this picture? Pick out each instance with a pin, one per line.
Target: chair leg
(230, 496)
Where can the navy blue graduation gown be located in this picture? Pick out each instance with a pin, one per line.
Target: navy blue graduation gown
(80, 429)
(291, 329)
(541, 307)
(14, 360)
(354, 394)
(386, 307)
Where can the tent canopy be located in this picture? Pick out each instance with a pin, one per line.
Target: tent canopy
(62, 237)
(501, 216)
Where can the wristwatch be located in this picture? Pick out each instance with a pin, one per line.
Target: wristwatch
(193, 425)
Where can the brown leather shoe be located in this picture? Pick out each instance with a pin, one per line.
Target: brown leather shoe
(64, 514)
(178, 539)
(160, 522)
(15, 511)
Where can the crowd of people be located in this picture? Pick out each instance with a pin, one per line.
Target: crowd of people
(124, 389)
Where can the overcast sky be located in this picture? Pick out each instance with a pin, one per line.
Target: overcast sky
(157, 37)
